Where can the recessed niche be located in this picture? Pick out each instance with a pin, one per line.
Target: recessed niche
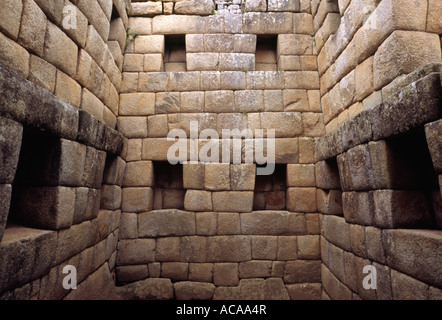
(270, 190)
(265, 56)
(175, 53)
(168, 189)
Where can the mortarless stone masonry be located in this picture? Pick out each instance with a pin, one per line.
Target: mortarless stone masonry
(351, 88)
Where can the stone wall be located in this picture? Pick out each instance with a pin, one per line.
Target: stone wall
(62, 172)
(378, 191)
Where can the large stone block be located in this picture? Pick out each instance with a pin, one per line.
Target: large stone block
(300, 175)
(152, 289)
(242, 177)
(138, 174)
(327, 175)
(137, 104)
(198, 200)
(273, 223)
(302, 271)
(146, 9)
(14, 56)
(219, 101)
(301, 199)
(401, 209)
(225, 274)
(136, 251)
(33, 28)
(137, 199)
(217, 176)
(255, 269)
(268, 23)
(285, 124)
(417, 49)
(337, 231)
(249, 100)
(10, 18)
(229, 249)
(10, 143)
(304, 291)
(159, 223)
(188, 290)
(233, 201)
(358, 207)
(329, 201)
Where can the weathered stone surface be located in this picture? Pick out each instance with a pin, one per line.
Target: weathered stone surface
(255, 269)
(198, 200)
(201, 272)
(33, 28)
(10, 144)
(225, 274)
(300, 175)
(302, 271)
(232, 201)
(304, 291)
(272, 223)
(358, 207)
(229, 249)
(5, 199)
(267, 23)
(188, 290)
(137, 199)
(136, 251)
(194, 7)
(264, 247)
(146, 9)
(407, 288)
(127, 274)
(151, 289)
(166, 223)
(301, 199)
(336, 230)
(217, 176)
(10, 18)
(433, 132)
(414, 252)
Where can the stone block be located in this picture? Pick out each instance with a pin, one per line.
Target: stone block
(10, 143)
(128, 226)
(202, 61)
(14, 56)
(255, 269)
(327, 175)
(283, 5)
(303, 23)
(267, 23)
(308, 247)
(228, 223)
(405, 287)
(302, 80)
(249, 100)
(329, 201)
(217, 176)
(301, 199)
(295, 44)
(157, 126)
(136, 251)
(273, 100)
(418, 49)
(300, 175)
(206, 223)
(295, 100)
(245, 43)
(94, 165)
(198, 200)
(265, 80)
(133, 127)
(400, 209)
(433, 22)
(242, 177)
(264, 248)
(168, 249)
(127, 274)
(337, 231)
(285, 124)
(228, 249)
(137, 199)
(42, 73)
(304, 291)
(193, 249)
(273, 223)
(256, 6)
(289, 63)
(133, 62)
(137, 104)
(159, 223)
(60, 50)
(236, 62)
(146, 9)
(373, 241)
(313, 124)
(11, 12)
(68, 90)
(176, 271)
(152, 289)
(358, 207)
(219, 101)
(232, 201)
(188, 290)
(110, 197)
(287, 248)
(33, 28)
(302, 271)
(433, 134)
(5, 196)
(153, 62)
(225, 274)
(201, 272)
(192, 102)
(138, 174)
(185, 81)
(220, 42)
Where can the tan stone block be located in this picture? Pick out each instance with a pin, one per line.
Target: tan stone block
(92, 104)
(138, 174)
(262, 80)
(417, 49)
(140, 25)
(245, 43)
(42, 73)
(287, 248)
(273, 223)
(233, 80)
(206, 223)
(264, 23)
(273, 100)
(157, 126)
(228, 223)
(198, 200)
(133, 127)
(14, 56)
(364, 79)
(202, 272)
(225, 274)
(256, 6)
(249, 100)
(33, 28)
(217, 176)
(10, 17)
(153, 62)
(302, 271)
(78, 34)
(167, 102)
(236, 61)
(306, 150)
(133, 62)
(149, 44)
(209, 61)
(434, 23)
(295, 100)
(156, 149)
(233, 201)
(68, 90)
(313, 124)
(136, 251)
(301, 199)
(137, 104)
(168, 249)
(289, 63)
(219, 101)
(146, 9)
(301, 80)
(301, 175)
(303, 24)
(137, 199)
(286, 124)
(193, 249)
(192, 101)
(242, 177)
(308, 63)
(294, 44)
(221, 42)
(308, 247)
(283, 5)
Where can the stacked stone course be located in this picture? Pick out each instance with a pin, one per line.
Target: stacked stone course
(352, 89)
